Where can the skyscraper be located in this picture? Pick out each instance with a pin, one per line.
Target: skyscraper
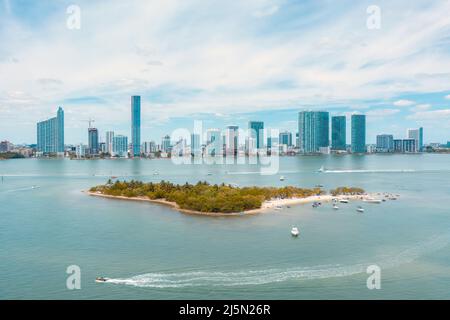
(165, 144)
(358, 133)
(93, 141)
(285, 138)
(231, 140)
(313, 130)
(120, 146)
(256, 131)
(50, 134)
(417, 135)
(195, 144)
(385, 143)
(109, 141)
(136, 126)
(338, 133)
(214, 144)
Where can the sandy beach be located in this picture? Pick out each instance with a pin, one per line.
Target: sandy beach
(266, 205)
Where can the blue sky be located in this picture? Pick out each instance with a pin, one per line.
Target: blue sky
(223, 62)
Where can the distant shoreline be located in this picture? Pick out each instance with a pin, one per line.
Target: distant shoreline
(266, 205)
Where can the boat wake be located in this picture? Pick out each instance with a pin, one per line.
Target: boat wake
(381, 171)
(273, 275)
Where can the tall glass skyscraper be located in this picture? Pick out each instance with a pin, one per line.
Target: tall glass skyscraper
(93, 140)
(358, 133)
(109, 141)
(313, 130)
(338, 133)
(256, 131)
(136, 126)
(165, 144)
(231, 140)
(214, 146)
(50, 134)
(195, 144)
(416, 134)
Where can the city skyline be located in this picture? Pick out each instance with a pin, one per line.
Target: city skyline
(226, 74)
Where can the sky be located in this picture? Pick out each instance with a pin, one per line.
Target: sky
(223, 63)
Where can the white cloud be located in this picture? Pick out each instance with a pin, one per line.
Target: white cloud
(421, 107)
(441, 115)
(265, 12)
(382, 112)
(447, 97)
(403, 103)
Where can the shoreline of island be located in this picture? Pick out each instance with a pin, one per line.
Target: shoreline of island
(265, 206)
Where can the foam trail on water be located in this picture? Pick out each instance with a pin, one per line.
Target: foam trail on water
(265, 276)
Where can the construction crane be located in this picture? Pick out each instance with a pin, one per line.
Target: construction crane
(90, 121)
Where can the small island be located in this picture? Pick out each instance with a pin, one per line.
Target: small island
(206, 199)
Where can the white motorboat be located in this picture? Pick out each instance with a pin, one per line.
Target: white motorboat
(282, 178)
(155, 173)
(335, 207)
(343, 201)
(295, 232)
(371, 200)
(322, 169)
(360, 209)
(101, 279)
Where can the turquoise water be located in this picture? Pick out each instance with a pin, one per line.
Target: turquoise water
(154, 252)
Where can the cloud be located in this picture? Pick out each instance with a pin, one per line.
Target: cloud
(268, 11)
(421, 107)
(403, 103)
(440, 115)
(382, 112)
(447, 97)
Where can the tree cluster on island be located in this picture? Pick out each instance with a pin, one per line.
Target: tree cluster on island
(205, 197)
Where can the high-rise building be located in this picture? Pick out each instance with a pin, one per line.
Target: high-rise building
(231, 140)
(93, 141)
(313, 130)
(214, 146)
(50, 134)
(338, 133)
(5, 146)
(148, 147)
(195, 145)
(120, 146)
(165, 144)
(109, 141)
(409, 145)
(285, 138)
(416, 134)
(256, 131)
(358, 133)
(385, 143)
(136, 126)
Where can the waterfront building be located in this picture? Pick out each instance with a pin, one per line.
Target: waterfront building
(214, 144)
(231, 140)
(285, 138)
(256, 131)
(313, 130)
(385, 143)
(166, 144)
(409, 145)
(338, 133)
(195, 145)
(358, 133)
(93, 141)
(417, 135)
(109, 141)
(5, 146)
(120, 146)
(148, 147)
(50, 134)
(136, 126)
(80, 151)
